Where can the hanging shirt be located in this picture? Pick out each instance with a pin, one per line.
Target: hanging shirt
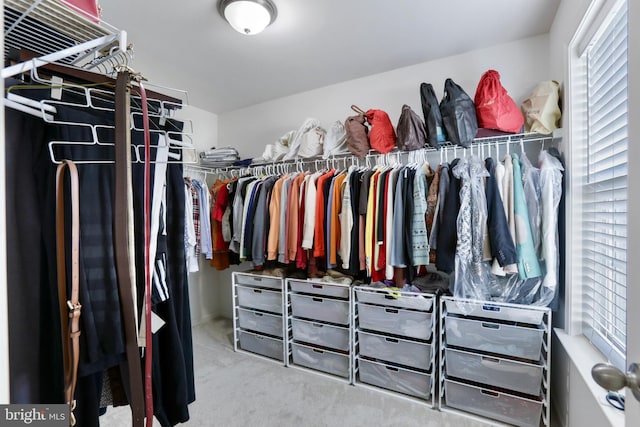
(238, 209)
(274, 219)
(551, 192)
(310, 211)
(190, 240)
(319, 227)
(420, 242)
(346, 220)
(390, 201)
(528, 265)
(336, 226)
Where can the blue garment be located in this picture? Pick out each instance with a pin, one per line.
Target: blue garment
(528, 265)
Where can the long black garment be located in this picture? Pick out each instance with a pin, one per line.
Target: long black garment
(35, 351)
(447, 230)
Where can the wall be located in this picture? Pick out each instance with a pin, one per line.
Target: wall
(203, 291)
(522, 64)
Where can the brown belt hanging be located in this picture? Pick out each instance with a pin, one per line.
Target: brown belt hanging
(70, 325)
(121, 238)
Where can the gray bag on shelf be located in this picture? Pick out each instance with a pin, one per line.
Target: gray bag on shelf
(411, 133)
(458, 115)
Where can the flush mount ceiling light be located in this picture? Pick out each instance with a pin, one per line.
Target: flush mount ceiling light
(248, 16)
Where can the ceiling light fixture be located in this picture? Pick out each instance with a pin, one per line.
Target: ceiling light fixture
(248, 16)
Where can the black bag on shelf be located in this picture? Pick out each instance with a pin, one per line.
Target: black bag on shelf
(458, 115)
(432, 117)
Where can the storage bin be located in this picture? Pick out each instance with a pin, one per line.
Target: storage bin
(395, 299)
(493, 337)
(404, 381)
(396, 350)
(320, 288)
(259, 281)
(398, 321)
(260, 322)
(260, 299)
(320, 334)
(317, 308)
(320, 360)
(495, 311)
(503, 407)
(509, 374)
(260, 344)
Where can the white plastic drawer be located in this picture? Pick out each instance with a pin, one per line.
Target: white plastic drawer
(488, 403)
(396, 350)
(495, 371)
(321, 334)
(259, 281)
(320, 360)
(405, 381)
(260, 299)
(261, 322)
(320, 288)
(493, 337)
(318, 308)
(495, 311)
(394, 299)
(414, 324)
(260, 344)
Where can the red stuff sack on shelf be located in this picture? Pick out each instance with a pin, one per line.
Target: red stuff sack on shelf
(382, 136)
(495, 109)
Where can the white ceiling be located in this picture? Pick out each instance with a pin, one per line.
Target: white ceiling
(313, 43)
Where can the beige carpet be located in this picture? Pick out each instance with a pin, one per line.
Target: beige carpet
(240, 390)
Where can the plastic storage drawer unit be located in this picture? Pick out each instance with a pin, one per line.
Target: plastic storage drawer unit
(321, 360)
(259, 344)
(390, 298)
(325, 289)
(397, 350)
(260, 322)
(259, 281)
(495, 311)
(320, 334)
(504, 407)
(260, 299)
(414, 324)
(317, 308)
(394, 378)
(494, 337)
(495, 371)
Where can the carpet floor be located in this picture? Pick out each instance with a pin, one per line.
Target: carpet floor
(240, 390)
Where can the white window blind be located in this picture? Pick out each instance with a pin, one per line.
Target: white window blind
(604, 189)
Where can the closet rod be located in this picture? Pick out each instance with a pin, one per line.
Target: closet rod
(478, 143)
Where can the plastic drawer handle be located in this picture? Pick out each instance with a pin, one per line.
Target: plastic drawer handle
(259, 337)
(317, 351)
(318, 325)
(391, 368)
(489, 307)
(393, 340)
(490, 325)
(391, 310)
(317, 286)
(258, 291)
(317, 299)
(258, 314)
(257, 279)
(490, 359)
(490, 393)
(389, 297)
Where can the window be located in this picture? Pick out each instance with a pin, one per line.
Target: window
(600, 82)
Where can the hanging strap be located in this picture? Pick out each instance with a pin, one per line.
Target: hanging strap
(122, 220)
(70, 323)
(148, 387)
